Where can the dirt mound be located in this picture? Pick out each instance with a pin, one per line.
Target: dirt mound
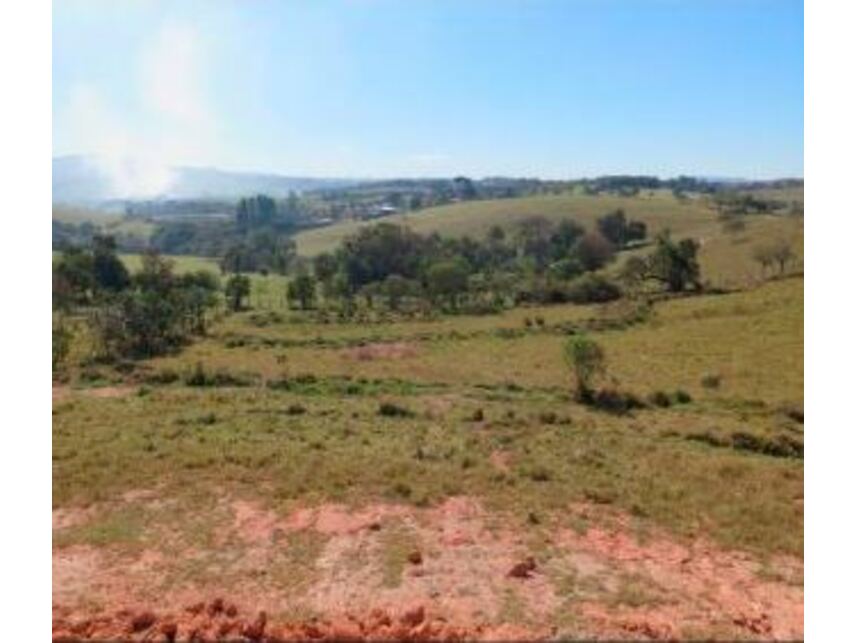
(219, 620)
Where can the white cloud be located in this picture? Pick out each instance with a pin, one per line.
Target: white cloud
(174, 122)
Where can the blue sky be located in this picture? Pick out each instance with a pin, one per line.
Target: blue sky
(376, 88)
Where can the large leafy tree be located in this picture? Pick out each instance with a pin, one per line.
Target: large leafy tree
(672, 264)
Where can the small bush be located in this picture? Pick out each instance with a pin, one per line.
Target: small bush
(528, 322)
(388, 409)
(793, 412)
(660, 399)
(682, 397)
(540, 322)
(711, 381)
(295, 409)
(199, 377)
(478, 415)
(592, 289)
(164, 376)
(402, 489)
(90, 374)
(782, 446)
(707, 437)
(613, 401)
(539, 474)
(125, 366)
(548, 417)
(279, 384)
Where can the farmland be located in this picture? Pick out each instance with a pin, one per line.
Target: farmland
(406, 465)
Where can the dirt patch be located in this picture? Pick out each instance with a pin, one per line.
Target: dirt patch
(668, 589)
(219, 619)
(500, 461)
(381, 350)
(361, 581)
(64, 392)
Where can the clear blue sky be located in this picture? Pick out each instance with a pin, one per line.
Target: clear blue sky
(377, 88)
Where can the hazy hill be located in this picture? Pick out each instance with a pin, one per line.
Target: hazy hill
(90, 180)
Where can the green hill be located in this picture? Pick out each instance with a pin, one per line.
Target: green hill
(476, 217)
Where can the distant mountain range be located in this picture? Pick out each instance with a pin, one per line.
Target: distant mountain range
(88, 180)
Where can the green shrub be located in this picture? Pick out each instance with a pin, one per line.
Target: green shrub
(613, 401)
(388, 409)
(682, 397)
(592, 289)
(200, 377)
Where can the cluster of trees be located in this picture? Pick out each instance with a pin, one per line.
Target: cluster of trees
(671, 265)
(539, 260)
(132, 315)
(776, 254)
(741, 203)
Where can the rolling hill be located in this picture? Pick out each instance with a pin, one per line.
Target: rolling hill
(86, 180)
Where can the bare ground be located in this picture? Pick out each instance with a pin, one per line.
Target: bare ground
(387, 571)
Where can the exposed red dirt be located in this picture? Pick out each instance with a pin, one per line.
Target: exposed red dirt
(381, 350)
(201, 622)
(469, 574)
(62, 392)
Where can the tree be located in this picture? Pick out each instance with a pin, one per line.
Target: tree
(156, 274)
(672, 264)
(782, 254)
(198, 292)
(301, 289)
(375, 252)
(61, 341)
(614, 227)
(73, 278)
(464, 188)
(447, 279)
(534, 240)
(237, 288)
(396, 288)
(564, 237)
(593, 251)
(586, 360)
(763, 256)
(256, 211)
(636, 231)
(109, 273)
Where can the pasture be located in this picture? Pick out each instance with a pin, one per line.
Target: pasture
(288, 463)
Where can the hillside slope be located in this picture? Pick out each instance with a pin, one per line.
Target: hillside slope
(476, 217)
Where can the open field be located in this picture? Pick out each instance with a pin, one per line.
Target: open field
(476, 217)
(324, 470)
(726, 259)
(111, 223)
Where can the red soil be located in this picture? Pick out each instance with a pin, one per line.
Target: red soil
(471, 566)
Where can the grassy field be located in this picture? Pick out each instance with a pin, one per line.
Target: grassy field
(191, 475)
(726, 259)
(476, 217)
(111, 223)
(674, 465)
